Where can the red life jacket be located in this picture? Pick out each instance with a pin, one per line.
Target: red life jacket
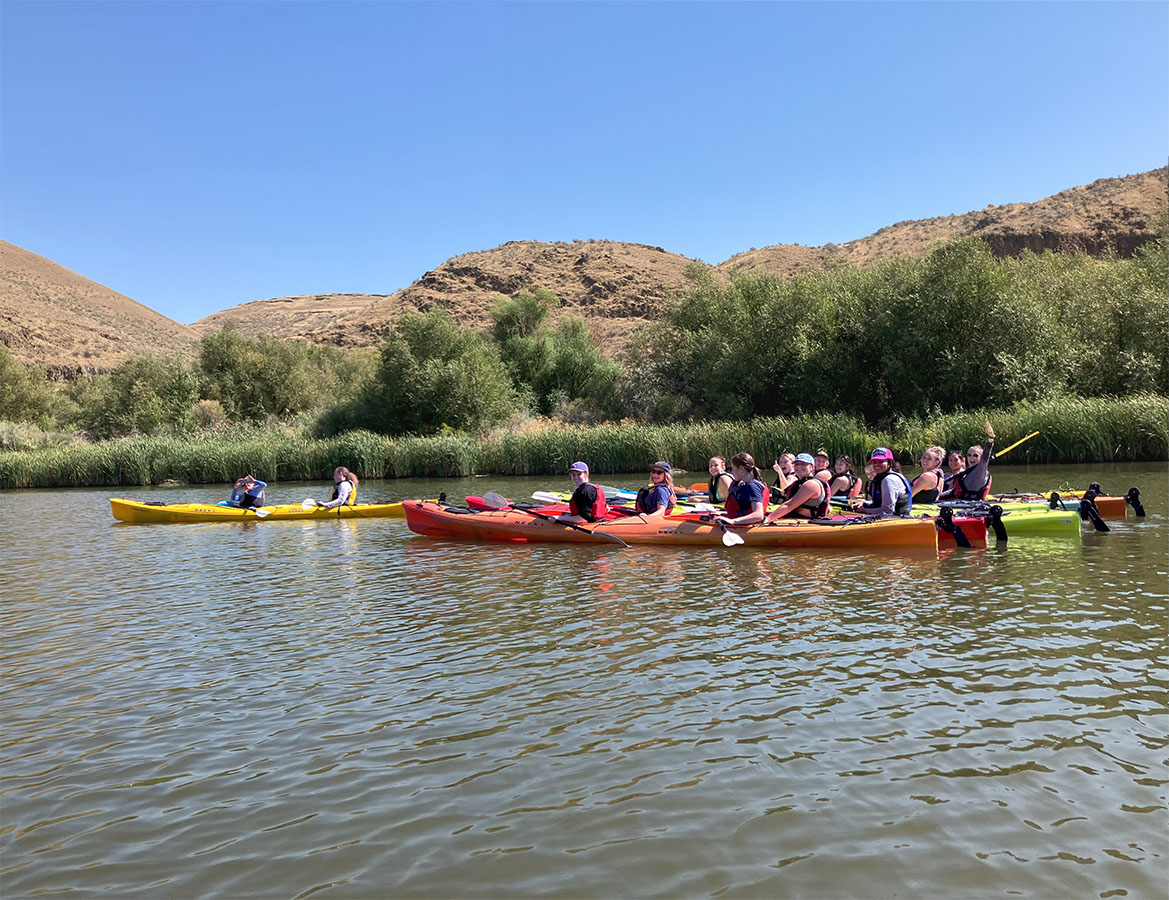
(733, 510)
(596, 512)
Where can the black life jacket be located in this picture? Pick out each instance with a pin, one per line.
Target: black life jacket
(930, 495)
(904, 503)
(961, 493)
(352, 493)
(809, 509)
(852, 480)
(712, 487)
(643, 497)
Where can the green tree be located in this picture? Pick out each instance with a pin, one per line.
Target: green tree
(26, 395)
(433, 375)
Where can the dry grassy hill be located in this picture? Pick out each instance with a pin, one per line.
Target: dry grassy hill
(1116, 213)
(50, 315)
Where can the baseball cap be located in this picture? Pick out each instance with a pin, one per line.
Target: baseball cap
(806, 458)
(579, 467)
(661, 464)
(823, 452)
(881, 453)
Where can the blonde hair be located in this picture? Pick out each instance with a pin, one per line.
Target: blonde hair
(939, 452)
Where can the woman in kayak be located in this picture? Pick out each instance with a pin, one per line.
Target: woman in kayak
(956, 462)
(659, 498)
(822, 466)
(806, 497)
(719, 485)
(928, 486)
(784, 473)
(587, 503)
(248, 493)
(891, 492)
(344, 490)
(746, 504)
(974, 482)
(845, 482)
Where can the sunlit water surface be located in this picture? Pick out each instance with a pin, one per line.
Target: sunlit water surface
(344, 709)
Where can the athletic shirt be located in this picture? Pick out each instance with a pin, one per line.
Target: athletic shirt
(809, 509)
(588, 502)
(712, 487)
(890, 500)
(344, 494)
(930, 495)
(655, 497)
(743, 495)
(974, 483)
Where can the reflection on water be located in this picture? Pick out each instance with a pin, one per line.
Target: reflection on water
(342, 709)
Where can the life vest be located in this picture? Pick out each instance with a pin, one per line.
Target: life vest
(809, 509)
(960, 492)
(352, 499)
(643, 500)
(594, 512)
(734, 508)
(904, 503)
(852, 480)
(930, 495)
(712, 487)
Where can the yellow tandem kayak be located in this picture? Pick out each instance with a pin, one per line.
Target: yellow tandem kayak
(143, 513)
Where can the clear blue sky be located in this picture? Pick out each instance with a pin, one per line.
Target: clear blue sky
(198, 155)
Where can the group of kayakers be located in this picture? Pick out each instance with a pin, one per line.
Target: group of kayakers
(805, 484)
(248, 491)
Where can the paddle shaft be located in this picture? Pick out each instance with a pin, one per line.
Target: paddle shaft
(1005, 451)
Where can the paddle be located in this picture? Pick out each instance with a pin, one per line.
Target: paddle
(1005, 451)
(308, 503)
(498, 502)
(730, 539)
(260, 512)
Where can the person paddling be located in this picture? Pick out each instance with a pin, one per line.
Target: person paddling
(928, 486)
(892, 495)
(746, 504)
(248, 492)
(587, 503)
(719, 485)
(344, 490)
(659, 498)
(806, 497)
(974, 482)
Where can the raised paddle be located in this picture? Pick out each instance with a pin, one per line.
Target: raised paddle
(496, 501)
(1007, 450)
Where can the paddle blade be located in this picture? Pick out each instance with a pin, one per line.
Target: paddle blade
(308, 503)
(730, 539)
(262, 513)
(495, 501)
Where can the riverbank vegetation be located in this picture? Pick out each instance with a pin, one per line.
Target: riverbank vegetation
(1129, 429)
(902, 350)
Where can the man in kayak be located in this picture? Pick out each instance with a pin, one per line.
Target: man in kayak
(974, 482)
(892, 495)
(806, 497)
(587, 503)
(659, 498)
(248, 493)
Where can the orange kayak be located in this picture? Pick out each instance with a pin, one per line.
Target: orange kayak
(433, 520)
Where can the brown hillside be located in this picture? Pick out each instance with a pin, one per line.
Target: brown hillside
(51, 316)
(1116, 213)
(289, 317)
(614, 286)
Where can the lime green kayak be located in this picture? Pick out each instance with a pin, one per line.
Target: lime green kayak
(1023, 519)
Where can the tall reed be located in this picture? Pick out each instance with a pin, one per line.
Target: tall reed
(1071, 430)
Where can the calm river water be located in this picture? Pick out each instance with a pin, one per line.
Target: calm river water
(344, 709)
